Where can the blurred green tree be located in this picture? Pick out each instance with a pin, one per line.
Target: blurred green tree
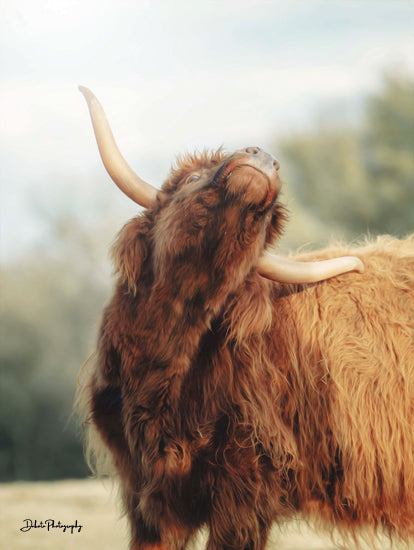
(359, 180)
(50, 306)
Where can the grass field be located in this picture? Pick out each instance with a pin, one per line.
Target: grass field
(93, 504)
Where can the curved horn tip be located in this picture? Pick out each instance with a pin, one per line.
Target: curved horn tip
(119, 170)
(85, 91)
(359, 265)
(90, 97)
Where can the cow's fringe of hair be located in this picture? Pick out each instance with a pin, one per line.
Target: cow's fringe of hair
(187, 162)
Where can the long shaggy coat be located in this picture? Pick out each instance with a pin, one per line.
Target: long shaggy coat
(227, 400)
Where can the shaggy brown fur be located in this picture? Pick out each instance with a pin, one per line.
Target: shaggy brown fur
(230, 401)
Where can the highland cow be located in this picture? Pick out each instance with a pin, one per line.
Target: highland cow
(234, 390)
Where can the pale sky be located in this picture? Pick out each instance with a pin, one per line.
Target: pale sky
(172, 76)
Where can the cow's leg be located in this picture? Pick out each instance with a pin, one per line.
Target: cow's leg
(144, 537)
(256, 544)
(151, 537)
(169, 545)
(245, 533)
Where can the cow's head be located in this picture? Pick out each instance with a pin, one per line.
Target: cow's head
(218, 203)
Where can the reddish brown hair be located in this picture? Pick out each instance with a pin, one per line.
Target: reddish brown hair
(227, 400)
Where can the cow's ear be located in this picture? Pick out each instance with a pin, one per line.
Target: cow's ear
(277, 223)
(130, 251)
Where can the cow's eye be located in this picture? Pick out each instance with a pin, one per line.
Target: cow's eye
(194, 177)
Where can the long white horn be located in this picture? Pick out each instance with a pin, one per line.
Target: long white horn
(287, 271)
(117, 167)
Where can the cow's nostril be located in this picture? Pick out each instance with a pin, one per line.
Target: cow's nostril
(276, 164)
(252, 150)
